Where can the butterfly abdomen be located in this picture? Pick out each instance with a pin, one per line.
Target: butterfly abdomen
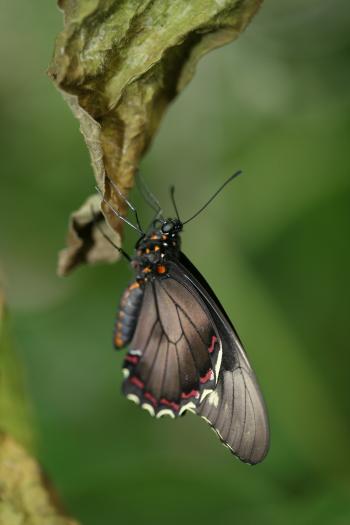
(130, 305)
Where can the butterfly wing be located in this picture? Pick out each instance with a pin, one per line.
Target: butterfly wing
(235, 409)
(237, 413)
(186, 355)
(175, 354)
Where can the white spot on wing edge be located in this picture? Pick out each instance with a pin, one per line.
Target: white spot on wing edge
(149, 408)
(206, 392)
(213, 399)
(189, 406)
(226, 445)
(217, 432)
(135, 352)
(133, 398)
(165, 412)
(126, 373)
(218, 363)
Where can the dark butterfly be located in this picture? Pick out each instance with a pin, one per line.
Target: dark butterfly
(184, 353)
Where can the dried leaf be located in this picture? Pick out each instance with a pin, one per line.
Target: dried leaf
(120, 64)
(86, 242)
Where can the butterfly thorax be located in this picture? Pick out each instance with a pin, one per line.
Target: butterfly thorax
(153, 250)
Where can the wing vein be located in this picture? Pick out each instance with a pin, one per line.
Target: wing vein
(148, 340)
(253, 409)
(164, 370)
(182, 310)
(153, 362)
(245, 409)
(187, 341)
(158, 312)
(178, 365)
(218, 411)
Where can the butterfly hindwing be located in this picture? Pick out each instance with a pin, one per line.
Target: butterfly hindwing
(174, 356)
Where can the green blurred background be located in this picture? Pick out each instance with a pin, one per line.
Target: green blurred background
(274, 246)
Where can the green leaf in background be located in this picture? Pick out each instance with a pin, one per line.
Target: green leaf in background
(15, 409)
(274, 247)
(26, 496)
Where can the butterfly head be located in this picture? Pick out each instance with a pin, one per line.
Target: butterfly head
(161, 239)
(165, 229)
(171, 227)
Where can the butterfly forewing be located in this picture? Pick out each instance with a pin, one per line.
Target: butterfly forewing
(235, 409)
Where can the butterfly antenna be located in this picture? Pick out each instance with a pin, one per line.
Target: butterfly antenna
(117, 214)
(149, 197)
(128, 203)
(96, 223)
(172, 195)
(213, 196)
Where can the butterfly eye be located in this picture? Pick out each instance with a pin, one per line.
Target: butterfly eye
(167, 227)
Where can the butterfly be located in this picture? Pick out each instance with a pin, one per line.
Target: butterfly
(183, 352)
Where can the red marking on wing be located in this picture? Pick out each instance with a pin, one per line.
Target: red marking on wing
(212, 344)
(209, 375)
(193, 393)
(150, 398)
(137, 382)
(134, 359)
(170, 404)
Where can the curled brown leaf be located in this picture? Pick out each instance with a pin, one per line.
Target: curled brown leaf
(119, 66)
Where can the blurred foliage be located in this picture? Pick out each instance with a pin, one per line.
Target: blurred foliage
(25, 494)
(274, 247)
(15, 411)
